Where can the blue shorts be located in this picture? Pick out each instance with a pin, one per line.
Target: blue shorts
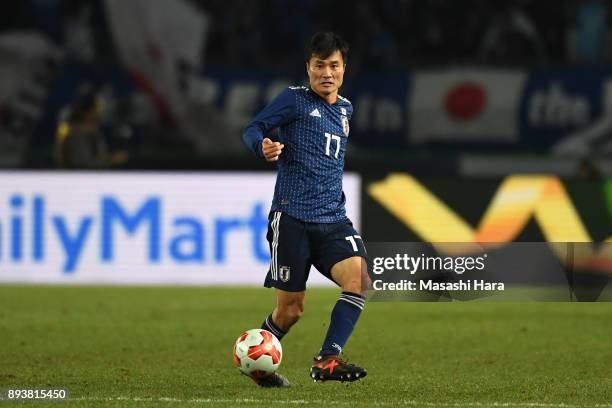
(296, 245)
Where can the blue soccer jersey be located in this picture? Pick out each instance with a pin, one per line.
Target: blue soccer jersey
(311, 165)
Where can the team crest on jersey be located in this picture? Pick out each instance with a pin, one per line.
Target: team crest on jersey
(284, 273)
(345, 125)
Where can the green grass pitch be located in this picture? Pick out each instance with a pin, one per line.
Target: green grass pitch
(171, 347)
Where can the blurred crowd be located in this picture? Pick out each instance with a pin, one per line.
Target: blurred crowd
(383, 34)
(142, 73)
(397, 33)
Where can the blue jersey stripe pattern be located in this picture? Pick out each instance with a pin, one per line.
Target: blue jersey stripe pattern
(310, 168)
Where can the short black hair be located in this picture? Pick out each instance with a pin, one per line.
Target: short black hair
(325, 43)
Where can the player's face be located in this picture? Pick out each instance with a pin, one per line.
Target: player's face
(326, 75)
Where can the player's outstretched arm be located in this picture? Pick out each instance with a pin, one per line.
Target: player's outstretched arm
(271, 150)
(280, 111)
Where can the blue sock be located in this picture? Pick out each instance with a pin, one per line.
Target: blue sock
(343, 320)
(270, 326)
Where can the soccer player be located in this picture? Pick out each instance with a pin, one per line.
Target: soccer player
(308, 223)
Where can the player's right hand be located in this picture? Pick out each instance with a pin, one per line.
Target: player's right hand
(271, 150)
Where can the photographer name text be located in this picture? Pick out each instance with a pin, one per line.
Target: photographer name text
(413, 266)
(461, 285)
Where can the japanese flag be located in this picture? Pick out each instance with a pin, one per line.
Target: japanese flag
(467, 105)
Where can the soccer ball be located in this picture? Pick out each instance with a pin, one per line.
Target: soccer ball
(257, 353)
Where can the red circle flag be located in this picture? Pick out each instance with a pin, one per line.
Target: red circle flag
(465, 101)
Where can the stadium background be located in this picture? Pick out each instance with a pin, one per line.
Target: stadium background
(460, 95)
